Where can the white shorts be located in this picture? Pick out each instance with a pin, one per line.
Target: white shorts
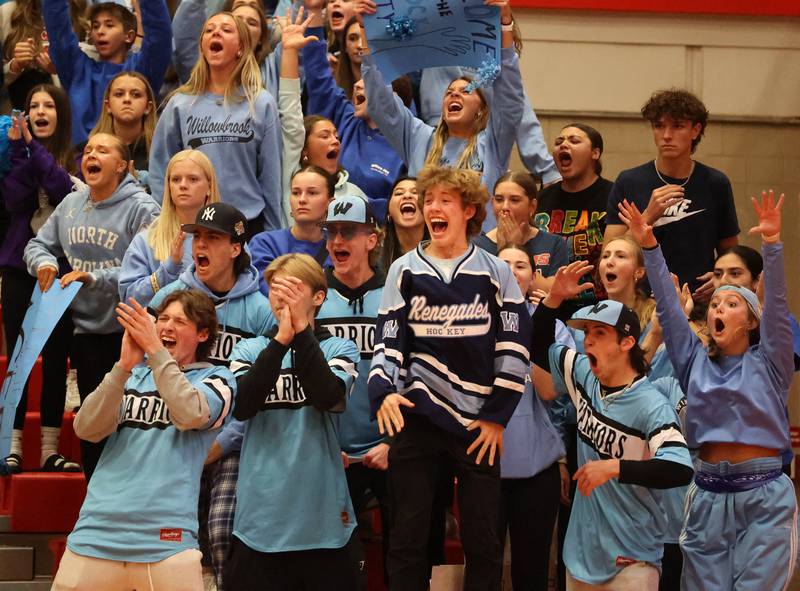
(181, 572)
(639, 576)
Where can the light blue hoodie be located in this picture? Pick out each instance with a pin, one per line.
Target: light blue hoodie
(93, 237)
(530, 140)
(142, 275)
(243, 144)
(242, 313)
(412, 139)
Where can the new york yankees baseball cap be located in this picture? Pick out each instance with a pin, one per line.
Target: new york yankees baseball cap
(349, 208)
(611, 313)
(220, 217)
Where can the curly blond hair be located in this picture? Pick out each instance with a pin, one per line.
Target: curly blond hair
(466, 183)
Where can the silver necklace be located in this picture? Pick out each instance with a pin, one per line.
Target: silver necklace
(666, 183)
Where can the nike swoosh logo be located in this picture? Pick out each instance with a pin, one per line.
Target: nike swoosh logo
(663, 221)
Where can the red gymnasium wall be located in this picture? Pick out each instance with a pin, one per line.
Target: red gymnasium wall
(723, 7)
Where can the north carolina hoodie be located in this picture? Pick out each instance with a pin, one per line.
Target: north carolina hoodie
(242, 313)
(93, 236)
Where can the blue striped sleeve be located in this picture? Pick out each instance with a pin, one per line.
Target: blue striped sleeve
(390, 340)
(511, 356)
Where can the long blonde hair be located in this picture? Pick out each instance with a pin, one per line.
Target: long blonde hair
(105, 124)
(166, 226)
(442, 134)
(644, 304)
(246, 75)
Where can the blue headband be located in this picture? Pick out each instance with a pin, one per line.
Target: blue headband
(749, 296)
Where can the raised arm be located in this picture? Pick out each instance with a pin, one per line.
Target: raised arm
(566, 285)
(325, 97)
(99, 414)
(186, 28)
(679, 337)
(508, 93)
(268, 166)
(293, 39)
(775, 327)
(153, 59)
(404, 132)
(141, 276)
(533, 150)
(326, 383)
(52, 178)
(64, 49)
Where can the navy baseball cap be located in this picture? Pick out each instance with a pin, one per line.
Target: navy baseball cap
(614, 314)
(220, 217)
(350, 208)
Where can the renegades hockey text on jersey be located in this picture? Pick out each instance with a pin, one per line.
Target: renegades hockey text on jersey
(457, 349)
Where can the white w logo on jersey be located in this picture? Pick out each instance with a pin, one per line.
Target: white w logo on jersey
(390, 330)
(510, 321)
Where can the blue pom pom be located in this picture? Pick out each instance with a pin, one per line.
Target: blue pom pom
(5, 155)
(485, 75)
(400, 28)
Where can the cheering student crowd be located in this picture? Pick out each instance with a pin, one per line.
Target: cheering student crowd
(307, 291)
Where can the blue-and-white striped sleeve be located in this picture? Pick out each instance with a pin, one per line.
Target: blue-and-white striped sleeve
(219, 393)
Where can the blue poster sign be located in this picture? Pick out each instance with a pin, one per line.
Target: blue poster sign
(407, 35)
(44, 312)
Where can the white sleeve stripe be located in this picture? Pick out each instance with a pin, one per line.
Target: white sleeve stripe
(671, 435)
(509, 385)
(237, 366)
(378, 371)
(435, 400)
(569, 362)
(453, 378)
(511, 346)
(220, 387)
(346, 366)
(393, 355)
(389, 309)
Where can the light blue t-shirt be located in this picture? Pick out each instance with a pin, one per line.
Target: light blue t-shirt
(617, 523)
(141, 505)
(292, 491)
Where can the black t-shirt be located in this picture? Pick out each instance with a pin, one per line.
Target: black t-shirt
(689, 231)
(580, 218)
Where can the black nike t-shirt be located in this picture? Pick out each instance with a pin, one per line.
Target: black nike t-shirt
(689, 231)
(580, 218)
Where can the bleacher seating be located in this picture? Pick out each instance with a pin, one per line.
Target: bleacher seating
(37, 508)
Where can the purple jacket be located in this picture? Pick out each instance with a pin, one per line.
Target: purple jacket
(32, 167)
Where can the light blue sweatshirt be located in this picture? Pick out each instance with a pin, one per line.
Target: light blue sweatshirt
(531, 443)
(735, 398)
(142, 275)
(243, 144)
(93, 237)
(242, 313)
(412, 139)
(187, 25)
(530, 139)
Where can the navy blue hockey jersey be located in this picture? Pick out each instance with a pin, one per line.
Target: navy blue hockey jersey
(457, 348)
